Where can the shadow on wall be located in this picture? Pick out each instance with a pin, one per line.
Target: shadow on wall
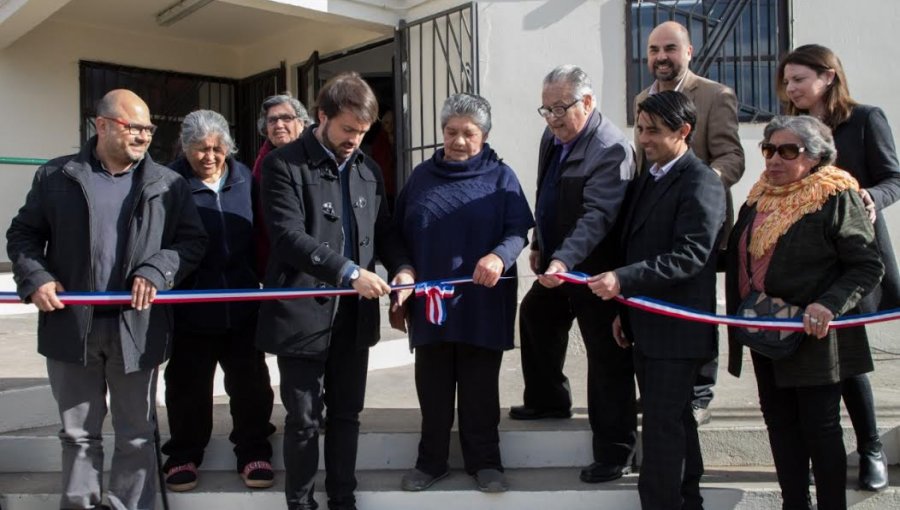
(550, 12)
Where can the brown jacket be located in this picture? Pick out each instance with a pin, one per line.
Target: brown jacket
(716, 141)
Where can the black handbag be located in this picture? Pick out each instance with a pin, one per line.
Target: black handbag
(773, 344)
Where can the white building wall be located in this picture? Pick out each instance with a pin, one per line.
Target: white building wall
(521, 41)
(860, 33)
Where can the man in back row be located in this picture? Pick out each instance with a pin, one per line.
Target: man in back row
(715, 141)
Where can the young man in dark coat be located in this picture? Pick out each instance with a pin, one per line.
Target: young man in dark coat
(715, 140)
(106, 219)
(324, 206)
(670, 226)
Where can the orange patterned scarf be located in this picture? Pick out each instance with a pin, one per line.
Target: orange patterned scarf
(787, 204)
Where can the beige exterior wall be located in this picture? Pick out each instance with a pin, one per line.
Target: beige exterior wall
(295, 47)
(39, 82)
(40, 91)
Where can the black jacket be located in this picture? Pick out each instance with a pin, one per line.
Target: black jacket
(590, 193)
(302, 204)
(669, 234)
(865, 148)
(228, 218)
(49, 239)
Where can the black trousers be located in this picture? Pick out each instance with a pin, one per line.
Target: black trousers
(442, 369)
(189, 395)
(857, 394)
(545, 317)
(672, 464)
(706, 380)
(336, 380)
(804, 423)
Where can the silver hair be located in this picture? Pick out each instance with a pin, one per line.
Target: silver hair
(276, 100)
(574, 76)
(201, 124)
(473, 106)
(814, 135)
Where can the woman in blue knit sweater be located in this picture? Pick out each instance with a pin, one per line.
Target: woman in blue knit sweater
(462, 213)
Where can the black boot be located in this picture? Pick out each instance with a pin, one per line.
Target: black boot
(873, 475)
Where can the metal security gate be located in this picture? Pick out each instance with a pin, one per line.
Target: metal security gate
(736, 42)
(171, 96)
(438, 57)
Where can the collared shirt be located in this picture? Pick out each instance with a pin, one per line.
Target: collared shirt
(659, 172)
(654, 88)
(348, 222)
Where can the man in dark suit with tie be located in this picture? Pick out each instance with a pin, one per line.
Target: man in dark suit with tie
(672, 218)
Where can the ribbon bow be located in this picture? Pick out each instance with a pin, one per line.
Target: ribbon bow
(434, 294)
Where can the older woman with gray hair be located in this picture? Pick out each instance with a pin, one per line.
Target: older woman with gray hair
(282, 119)
(803, 237)
(211, 334)
(462, 213)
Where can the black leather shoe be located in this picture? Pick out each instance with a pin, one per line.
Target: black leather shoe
(530, 413)
(873, 474)
(598, 472)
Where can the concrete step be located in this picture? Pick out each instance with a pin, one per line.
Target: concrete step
(389, 440)
(26, 403)
(740, 488)
(34, 406)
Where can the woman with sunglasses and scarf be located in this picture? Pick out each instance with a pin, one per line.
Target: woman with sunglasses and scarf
(811, 81)
(803, 236)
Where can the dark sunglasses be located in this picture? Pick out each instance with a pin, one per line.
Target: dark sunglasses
(787, 151)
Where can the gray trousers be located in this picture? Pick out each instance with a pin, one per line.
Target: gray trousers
(80, 392)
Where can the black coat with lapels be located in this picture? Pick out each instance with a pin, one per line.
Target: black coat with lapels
(669, 234)
(866, 149)
(302, 204)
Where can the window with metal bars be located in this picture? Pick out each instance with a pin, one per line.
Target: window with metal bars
(169, 95)
(736, 42)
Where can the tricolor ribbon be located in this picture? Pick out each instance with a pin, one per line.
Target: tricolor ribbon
(681, 312)
(434, 294)
(435, 309)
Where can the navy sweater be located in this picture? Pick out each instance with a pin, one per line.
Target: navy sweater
(451, 214)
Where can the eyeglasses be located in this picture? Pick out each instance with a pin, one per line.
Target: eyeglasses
(286, 118)
(133, 129)
(557, 111)
(787, 151)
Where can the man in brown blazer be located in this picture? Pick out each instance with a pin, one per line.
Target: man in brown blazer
(715, 142)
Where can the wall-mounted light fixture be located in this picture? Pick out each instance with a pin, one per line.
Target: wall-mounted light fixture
(179, 10)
